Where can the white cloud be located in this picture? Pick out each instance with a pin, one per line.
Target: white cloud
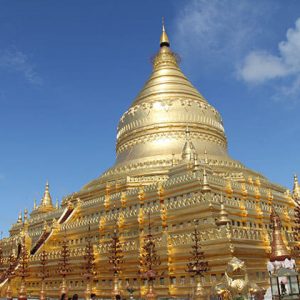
(261, 66)
(217, 30)
(217, 35)
(17, 61)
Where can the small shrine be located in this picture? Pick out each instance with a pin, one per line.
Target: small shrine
(284, 281)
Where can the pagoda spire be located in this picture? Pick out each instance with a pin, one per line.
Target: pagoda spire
(279, 250)
(205, 157)
(20, 218)
(25, 215)
(223, 215)
(164, 40)
(296, 189)
(205, 187)
(46, 200)
(34, 204)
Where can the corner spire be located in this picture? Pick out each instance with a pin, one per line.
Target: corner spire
(46, 200)
(223, 215)
(25, 215)
(34, 204)
(296, 189)
(205, 187)
(20, 218)
(164, 40)
(205, 157)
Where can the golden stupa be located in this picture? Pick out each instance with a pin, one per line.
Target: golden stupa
(171, 162)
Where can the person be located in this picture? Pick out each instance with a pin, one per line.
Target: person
(93, 296)
(75, 297)
(118, 297)
(283, 289)
(63, 297)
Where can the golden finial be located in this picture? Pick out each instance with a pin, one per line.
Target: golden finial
(257, 181)
(257, 192)
(205, 187)
(223, 219)
(244, 188)
(164, 40)
(205, 157)
(196, 163)
(296, 189)
(250, 180)
(228, 188)
(25, 215)
(56, 204)
(270, 196)
(19, 218)
(34, 204)
(46, 200)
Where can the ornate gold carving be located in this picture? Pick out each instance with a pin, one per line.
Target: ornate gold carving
(228, 187)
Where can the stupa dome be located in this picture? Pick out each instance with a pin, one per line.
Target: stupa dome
(154, 125)
(152, 132)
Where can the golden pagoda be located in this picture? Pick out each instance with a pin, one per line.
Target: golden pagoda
(171, 162)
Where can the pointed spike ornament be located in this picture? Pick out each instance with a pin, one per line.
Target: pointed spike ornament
(46, 200)
(223, 219)
(205, 187)
(296, 189)
(205, 157)
(25, 214)
(270, 196)
(34, 204)
(20, 218)
(164, 40)
(165, 58)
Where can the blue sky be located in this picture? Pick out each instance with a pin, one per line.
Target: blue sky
(69, 69)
